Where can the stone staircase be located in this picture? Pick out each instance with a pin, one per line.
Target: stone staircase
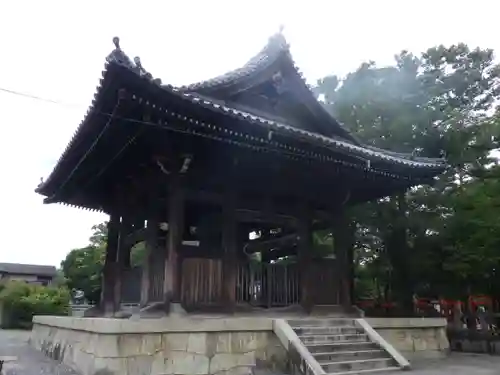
(341, 347)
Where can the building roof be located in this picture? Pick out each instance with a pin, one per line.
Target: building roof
(199, 94)
(214, 96)
(27, 269)
(273, 57)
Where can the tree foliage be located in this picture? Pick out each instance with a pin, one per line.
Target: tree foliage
(82, 267)
(439, 240)
(21, 301)
(441, 103)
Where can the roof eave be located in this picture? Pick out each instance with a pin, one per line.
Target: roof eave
(118, 57)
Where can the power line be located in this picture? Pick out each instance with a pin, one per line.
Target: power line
(34, 97)
(177, 130)
(163, 126)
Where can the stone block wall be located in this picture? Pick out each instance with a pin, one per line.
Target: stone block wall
(414, 337)
(474, 341)
(189, 353)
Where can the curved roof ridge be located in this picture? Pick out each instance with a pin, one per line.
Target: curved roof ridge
(272, 51)
(404, 154)
(276, 45)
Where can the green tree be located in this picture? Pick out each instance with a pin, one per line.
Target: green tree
(21, 301)
(82, 269)
(429, 105)
(99, 235)
(138, 254)
(473, 234)
(59, 280)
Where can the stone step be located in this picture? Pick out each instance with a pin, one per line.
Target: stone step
(357, 365)
(327, 322)
(333, 338)
(340, 346)
(341, 330)
(371, 371)
(350, 355)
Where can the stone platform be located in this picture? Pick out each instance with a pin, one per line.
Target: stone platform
(160, 346)
(201, 345)
(414, 338)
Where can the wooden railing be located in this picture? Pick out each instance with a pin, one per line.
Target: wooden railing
(257, 284)
(324, 282)
(156, 281)
(268, 285)
(201, 283)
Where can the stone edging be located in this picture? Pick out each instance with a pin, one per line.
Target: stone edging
(305, 361)
(163, 325)
(375, 337)
(406, 323)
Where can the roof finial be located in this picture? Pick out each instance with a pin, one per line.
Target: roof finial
(116, 42)
(137, 61)
(281, 28)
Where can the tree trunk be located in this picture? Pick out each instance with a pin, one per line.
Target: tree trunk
(399, 255)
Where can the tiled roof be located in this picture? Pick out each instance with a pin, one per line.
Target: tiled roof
(276, 48)
(27, 269)
(118, 57)
(334, 143)
(270, 53)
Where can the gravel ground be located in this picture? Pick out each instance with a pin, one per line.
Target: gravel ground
(27, 361)
(24, 360)
(459, 364)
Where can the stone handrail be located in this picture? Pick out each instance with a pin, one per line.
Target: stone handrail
(375, 337)
(298, 353)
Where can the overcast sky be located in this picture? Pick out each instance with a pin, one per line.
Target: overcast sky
(56, 50)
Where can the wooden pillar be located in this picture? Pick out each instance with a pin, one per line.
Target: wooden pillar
(126, 229)
(342, 244)
(122, 259)
(229, 244)
(119, 265)
(109, 269)
(171, 289)
(305, 259)
(148, 266)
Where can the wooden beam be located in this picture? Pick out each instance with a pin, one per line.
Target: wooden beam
(252, 216)
(136, 236)
(255, 208)
(282, 252)
(258, 245)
